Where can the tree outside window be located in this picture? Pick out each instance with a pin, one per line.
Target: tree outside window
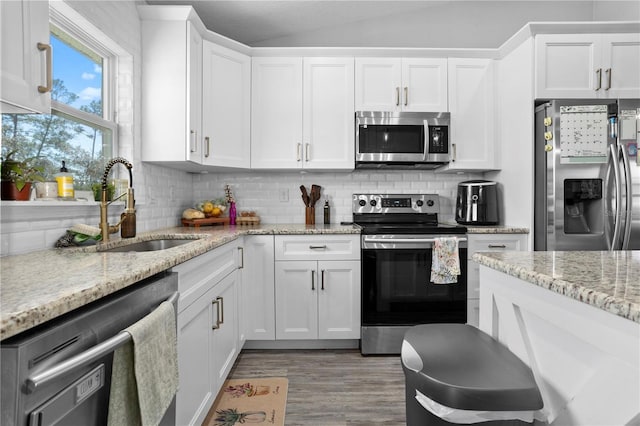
(78, 130)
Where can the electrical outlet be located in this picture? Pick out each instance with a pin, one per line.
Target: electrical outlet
(283, 195)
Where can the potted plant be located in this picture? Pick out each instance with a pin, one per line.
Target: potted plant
(97, 191)
(16, 177)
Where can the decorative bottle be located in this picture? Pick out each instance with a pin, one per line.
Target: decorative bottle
(232, 213)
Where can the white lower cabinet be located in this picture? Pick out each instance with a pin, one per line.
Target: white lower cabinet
(258, 300)
(317, 287)
(489, 243)
(208, 333)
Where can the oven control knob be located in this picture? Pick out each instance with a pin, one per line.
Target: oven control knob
(430, 203)
(362, 203)
(419, 203)
(373, 203)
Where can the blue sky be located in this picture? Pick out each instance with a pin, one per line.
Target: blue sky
(80, 74)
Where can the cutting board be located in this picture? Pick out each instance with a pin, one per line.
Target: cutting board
(206, 221)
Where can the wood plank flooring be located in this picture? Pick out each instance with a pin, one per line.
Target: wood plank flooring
(332, 387)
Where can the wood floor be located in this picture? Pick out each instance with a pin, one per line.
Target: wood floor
(332, 387)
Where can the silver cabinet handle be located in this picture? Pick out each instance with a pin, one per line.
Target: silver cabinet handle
(96, 352)
(241, 250)
(307, 157)
(397, 96)
(221, 308)
(599, 74)
(322, 247)
(217, 304)
(322, 281)
(406, 96)
(496, 246)
(608, 72)
(298, 151)
(207, 145)
(47, 49)
(193, 143)
(313, 280)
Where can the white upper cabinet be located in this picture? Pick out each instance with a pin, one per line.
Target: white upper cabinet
(472, 107)
(587, 66)
(302, 113)
(25, 57)
(171, 92)
(226, 107)
(401, 84)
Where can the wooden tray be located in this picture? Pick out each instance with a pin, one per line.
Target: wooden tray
(206, 221)
(248, 220)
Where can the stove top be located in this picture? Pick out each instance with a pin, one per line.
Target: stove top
(400, 214)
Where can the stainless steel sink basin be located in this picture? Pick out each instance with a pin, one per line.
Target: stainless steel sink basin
(151, 245)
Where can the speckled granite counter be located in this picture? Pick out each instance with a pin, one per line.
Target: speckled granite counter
(607, 280)
(496, 230)
(43, 285)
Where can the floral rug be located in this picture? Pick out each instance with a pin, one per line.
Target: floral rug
(242, 401)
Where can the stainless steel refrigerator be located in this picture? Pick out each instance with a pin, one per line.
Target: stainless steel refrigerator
(587, 175)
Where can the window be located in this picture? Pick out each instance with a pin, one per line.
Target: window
(80, 129)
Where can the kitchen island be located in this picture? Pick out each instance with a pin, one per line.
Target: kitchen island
(40, 286)
(574, 318)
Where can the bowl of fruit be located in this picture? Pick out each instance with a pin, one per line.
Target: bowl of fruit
(212, 208)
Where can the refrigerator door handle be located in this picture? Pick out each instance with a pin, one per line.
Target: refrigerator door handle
(618, 190)
(626, 235)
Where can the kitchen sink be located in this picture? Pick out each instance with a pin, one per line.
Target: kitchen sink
(151, 245)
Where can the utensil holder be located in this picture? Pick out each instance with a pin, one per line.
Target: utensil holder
(310, 215)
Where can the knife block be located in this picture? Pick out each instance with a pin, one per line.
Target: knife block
(310, 215)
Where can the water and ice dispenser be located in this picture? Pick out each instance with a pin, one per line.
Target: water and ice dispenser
(583, 206)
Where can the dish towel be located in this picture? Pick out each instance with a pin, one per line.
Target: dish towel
(445, 262)
(144, 378)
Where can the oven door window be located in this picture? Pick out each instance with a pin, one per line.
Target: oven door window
(397, 290)
(397, 139)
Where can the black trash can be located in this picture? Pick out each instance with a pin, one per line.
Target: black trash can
(462, 368)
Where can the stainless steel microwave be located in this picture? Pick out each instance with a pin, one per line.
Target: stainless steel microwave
(402, 139)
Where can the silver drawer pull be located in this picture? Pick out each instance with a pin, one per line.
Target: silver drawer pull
(323, 247)
(497, 246)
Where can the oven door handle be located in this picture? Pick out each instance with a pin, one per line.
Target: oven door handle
(405, 240)
(83, 358)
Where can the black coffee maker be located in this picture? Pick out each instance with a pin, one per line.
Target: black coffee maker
(477, 203)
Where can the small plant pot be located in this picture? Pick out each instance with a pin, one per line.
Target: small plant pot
(10, 191)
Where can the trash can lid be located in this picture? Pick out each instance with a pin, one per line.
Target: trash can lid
(461, 367)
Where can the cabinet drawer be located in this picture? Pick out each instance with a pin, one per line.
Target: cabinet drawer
(496, 242)
(196, 276)
(321, 247)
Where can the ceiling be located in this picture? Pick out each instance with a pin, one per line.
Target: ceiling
(378, 23)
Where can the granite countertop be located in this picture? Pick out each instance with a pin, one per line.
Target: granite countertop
(39, 286)
(609, 280)
(498, 229)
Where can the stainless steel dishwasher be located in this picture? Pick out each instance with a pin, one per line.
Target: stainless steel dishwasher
(60, 372)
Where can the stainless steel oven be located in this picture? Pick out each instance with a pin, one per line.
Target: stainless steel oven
(397, 247)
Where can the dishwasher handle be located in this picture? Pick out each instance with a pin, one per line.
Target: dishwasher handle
(83, 358)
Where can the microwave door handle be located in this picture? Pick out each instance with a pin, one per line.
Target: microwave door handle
(618, 194)
(626, 234)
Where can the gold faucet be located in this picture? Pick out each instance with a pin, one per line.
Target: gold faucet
(127, 224)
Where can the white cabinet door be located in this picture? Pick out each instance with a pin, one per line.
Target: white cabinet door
(276, 111)
(328, 113)
(225, 331)
(226, 107)
(339, 300)
(472, 106)
(486, 242)
(195, 361)
(621, 65)
(424, 84)
(587, 66)
(401, 84)
(23, 64)
(296, 300)
(258, 284)
(171, 91)
(377, 84)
